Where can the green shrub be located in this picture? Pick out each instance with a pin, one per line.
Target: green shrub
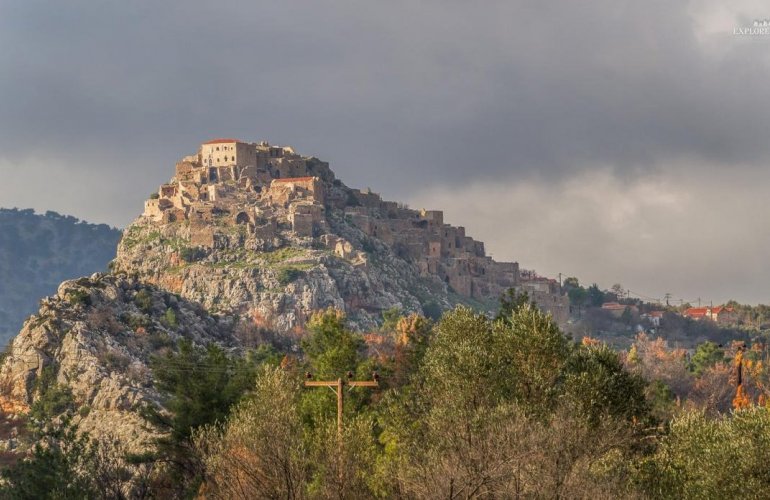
(114, 360)
(136, 321)
(79, 297)
(52, 399)
(191, 254)
(288, 275)
(159, 340)
(169, 319)
(143, 300)
(368, 246)
(352, 201)
(432, 310)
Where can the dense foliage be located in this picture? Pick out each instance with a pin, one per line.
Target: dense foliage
(37, 252)
(467, 407)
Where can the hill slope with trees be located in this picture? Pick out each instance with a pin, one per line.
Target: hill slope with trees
(38, 252)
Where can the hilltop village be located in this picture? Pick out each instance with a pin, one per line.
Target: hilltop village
(266, 190)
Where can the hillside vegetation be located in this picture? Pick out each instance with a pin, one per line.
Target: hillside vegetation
(467, 407)
(37, 252)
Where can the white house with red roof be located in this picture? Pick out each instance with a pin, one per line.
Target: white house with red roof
(717, 314)
(617, 309)
(654, 317)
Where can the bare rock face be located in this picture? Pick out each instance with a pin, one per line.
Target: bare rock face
(96, 336)
(281, 287)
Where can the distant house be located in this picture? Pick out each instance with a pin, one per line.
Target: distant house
(546, 293)
(617, 309)
(654, 317)
(719, 314)
(696, 313)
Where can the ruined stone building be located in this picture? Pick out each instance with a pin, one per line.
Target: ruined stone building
(266, 189)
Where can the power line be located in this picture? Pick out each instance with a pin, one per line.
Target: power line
(338, 386)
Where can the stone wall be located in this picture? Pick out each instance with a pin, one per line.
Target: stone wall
(226, 152)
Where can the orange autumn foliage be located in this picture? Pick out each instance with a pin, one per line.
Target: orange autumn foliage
(655, 360)
(289, 362)
(409, 328)
(411, 336)
(741, 400)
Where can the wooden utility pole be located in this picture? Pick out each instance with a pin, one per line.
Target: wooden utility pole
(338, 387)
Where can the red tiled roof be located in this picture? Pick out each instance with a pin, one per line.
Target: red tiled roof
(294, 179)
(221, 141)
(696, 311)
(702, 311)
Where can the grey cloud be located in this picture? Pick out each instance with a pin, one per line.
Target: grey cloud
(403, 96)
(499, 86)
(664, 233)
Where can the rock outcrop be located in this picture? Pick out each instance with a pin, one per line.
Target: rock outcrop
(95, 337)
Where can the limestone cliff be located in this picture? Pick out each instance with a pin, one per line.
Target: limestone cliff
(96, 336)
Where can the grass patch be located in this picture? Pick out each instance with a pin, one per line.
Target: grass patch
(282, 255)
(130, 237)
(232, 265)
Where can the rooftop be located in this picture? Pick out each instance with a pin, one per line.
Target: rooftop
(294, 179)
(221, 141)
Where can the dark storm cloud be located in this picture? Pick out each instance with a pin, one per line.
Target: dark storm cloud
(385, 89)
(405, 96)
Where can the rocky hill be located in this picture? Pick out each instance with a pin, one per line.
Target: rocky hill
(95, 337)
(264, 232)
(243, 238)
(37, 252)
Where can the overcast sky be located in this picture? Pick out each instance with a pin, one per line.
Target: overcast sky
(617, 141)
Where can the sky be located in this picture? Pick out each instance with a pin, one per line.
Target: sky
(616, 141)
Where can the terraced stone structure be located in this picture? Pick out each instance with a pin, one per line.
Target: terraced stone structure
(258, 229)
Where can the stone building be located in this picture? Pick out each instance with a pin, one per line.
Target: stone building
(269, 189)
(284, 190)
(227, 152)
(547, 294)
(718, 314)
